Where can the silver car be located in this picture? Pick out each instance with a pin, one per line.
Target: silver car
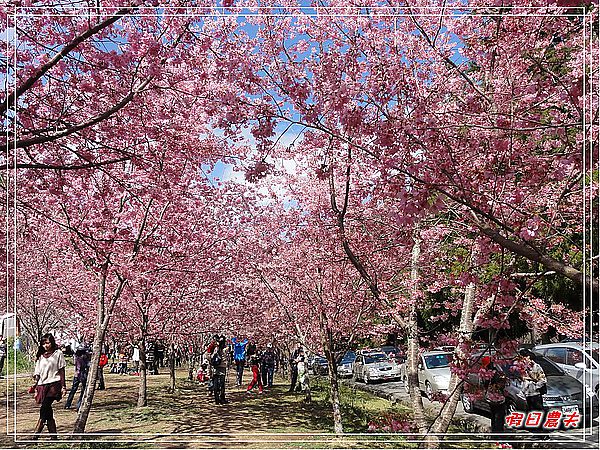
(577, 359)
(346, 364)
(375, 366)
(433, 371)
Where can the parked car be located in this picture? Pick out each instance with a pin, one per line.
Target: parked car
(580, 360)
(394, 353)
(446, 348)
(565, 393)
(433, 371)
(319, 366)
(346, 364)
(375, 366)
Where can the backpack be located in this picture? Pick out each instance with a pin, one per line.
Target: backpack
(103, 360)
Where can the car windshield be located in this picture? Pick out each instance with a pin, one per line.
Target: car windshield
(348, 358)
(593, 353)
(391, 351)
(435, 361)
(548, 366)
(375, 357)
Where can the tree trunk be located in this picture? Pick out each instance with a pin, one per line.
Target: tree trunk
(143, 386)
(412, 363)
(171, 388)
(90, 387)
(334, 391)
(333, 379)
(455, 389)
(104, 314)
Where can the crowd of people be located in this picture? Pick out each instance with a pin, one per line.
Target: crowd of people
(222, 354)
(263, 363)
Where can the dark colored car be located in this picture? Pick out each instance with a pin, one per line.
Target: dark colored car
(319, 366)
(565, 393)
(394, 353)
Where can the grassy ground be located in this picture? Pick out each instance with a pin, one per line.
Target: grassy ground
(189, 419)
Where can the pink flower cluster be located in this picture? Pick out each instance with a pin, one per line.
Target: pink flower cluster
(393, 423)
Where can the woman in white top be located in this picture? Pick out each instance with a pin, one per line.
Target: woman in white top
(50, 382)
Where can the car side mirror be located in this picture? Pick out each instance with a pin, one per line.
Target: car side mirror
(580, 365)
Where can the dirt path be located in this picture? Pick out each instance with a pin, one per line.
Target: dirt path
(171, 419)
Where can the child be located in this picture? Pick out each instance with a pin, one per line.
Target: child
(202, 375)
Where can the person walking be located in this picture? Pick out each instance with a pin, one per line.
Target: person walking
(160, 354)
(150, 361)
(101, 364)
(49, 375)
(267, 364)
(239, 358)
(533, 383)
(3, 351)
(254, 362)
(82, 366)
(494, 394)
(534, 380)
(219, 364)
(294, 358)
(123, 358)
(303, 378)
(135, 359)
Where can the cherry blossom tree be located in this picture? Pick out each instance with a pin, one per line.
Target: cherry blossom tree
(404, 121)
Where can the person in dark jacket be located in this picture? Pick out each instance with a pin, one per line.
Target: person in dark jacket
(268, 366)
(3, 351)
(82, 366)
(219, 364)
(494, 394)
(294, 358)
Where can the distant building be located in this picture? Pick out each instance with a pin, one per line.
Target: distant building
(9, 325)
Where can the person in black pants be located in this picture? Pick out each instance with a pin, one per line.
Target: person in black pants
(534, 383)
(268, 366)
(219, 364)
(494, 395)
(294, 358)
(82, 365)
(3, 351)
(49, 375)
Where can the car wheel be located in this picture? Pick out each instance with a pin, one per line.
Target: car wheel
(467, 404)
(428, 390)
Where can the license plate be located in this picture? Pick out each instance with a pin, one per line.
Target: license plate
(570, 409)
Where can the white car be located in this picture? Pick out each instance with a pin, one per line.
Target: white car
(375, 366)
(580, 360)
(433, 371)
(346, 364)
